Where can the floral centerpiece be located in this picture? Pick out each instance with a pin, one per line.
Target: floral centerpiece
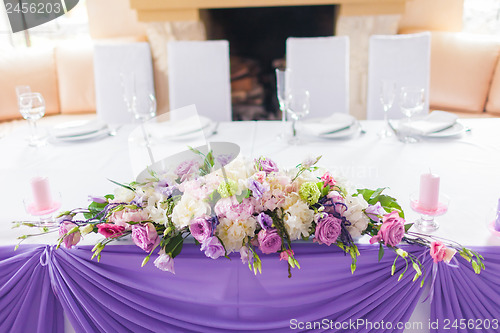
(251, 207)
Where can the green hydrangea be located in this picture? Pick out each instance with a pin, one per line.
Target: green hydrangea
(227, 188)
(309, 192)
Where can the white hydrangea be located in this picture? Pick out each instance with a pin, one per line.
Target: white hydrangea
(298, 217)
(355, 214)
(232, 232)
(187, 209)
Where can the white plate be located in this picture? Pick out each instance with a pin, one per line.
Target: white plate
(352, 130)
(454, 130)
(333, 124)
(179, 129)
(77, 128)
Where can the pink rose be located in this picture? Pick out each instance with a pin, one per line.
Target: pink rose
(327, 230)
(392, 230)
(285, 254)
(110, 230)
(187, 169)
(439, 252)
(201, 228)
(145, 236)
(328, 180)
(231, 209)
(122, 217)
(71, 239)
(269, 241)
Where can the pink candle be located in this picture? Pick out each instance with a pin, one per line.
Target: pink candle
(429, 191)
(497, 221)
(41, 193)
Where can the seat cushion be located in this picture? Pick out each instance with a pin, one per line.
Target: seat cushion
(34, 67)
(462, 66)
(75, 74)
(493, 103)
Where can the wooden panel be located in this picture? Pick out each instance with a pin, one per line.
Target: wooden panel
(372, 9)
(176, 4)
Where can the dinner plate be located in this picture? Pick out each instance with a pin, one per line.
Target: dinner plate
(179, 130)
(454, 130)
(333, 124)
(344, 133)
(83, 137)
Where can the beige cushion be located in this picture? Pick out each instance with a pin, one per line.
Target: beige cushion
(75, 74)
(28, 66)
(493, 103)
(461, 70)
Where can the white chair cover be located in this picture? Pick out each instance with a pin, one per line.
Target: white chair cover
(198, 73)
(321, 66)
(110, 62)
(402, 58)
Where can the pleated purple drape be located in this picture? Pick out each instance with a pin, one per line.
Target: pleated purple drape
(117, 295)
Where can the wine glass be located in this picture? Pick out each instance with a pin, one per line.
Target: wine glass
(281, 88)
(387, 96)
(298, 104)
(411, 102)
(32, 108)
(127, 81)
(22, 90)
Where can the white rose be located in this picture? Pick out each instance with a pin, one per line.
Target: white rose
(298, 218)
(187, 209)
(233, 232)
(123, 195)
(355, 215)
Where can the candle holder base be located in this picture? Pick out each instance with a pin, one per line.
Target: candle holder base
(427, 223)
(46, 214)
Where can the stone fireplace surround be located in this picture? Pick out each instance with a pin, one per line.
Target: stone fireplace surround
(358, 19)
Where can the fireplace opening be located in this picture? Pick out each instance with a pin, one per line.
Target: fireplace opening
(257, 39)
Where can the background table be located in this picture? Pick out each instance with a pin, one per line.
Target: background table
(468, 167)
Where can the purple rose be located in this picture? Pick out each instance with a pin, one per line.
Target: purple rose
(265, 220)
(145, 236)
(213, 248)
(391, 231)
(257, 188)
(165, 262)
(328, 229)
(224, 159)
(373, 211)
(71, 239)
(266, 165)
(200, 228)
(269, 241)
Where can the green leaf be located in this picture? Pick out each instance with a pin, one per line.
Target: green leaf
(376, 193)
(408, 226)
(122, 185)
(380, 252)
(173, 245)
(366, 193)
(390, 204)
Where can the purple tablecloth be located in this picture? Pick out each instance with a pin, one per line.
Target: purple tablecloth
(38, 283)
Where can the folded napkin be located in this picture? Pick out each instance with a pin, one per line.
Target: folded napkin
(434, 122)
(77, 128)
(324, 126)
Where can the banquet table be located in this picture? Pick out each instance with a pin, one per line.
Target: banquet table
(40, 283)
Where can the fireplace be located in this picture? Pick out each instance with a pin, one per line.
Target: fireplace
(257, 46)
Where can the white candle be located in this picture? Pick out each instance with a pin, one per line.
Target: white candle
(429, 191)
(41, 193)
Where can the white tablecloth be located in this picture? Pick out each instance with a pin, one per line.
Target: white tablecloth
(469, 167)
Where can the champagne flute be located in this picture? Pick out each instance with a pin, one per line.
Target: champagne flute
(298, 104)
(281, 94)
(387, 96)
(411, 102)
(32, 108)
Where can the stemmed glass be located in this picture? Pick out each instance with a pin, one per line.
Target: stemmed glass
(32, 108)
(282, 75)
(298, 103)
(387, 96)
(411, 102)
